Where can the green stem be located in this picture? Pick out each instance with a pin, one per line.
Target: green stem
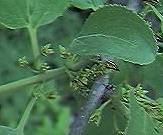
(50, 74)
(104, 105)
(32, 80)
(26, 114)
(35, 47)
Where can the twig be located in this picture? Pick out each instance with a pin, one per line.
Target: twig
(31, 80)
(50, 74)
(98, 90)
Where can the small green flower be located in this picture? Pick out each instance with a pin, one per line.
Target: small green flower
(23, 61)
(47, 50)
(51, 95)
(97, 115)
(44, 67)
(64, 53)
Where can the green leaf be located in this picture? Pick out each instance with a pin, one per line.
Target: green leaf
(93, 4)
(153, 75)
(22, 13)
(140, 123)
(116, 31)
(13, 13)
(9, 131)
(46, 11)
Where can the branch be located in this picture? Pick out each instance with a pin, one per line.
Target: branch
(98, 90)
(48, 75)
(32, 80)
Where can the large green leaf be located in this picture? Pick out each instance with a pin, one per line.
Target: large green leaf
(116, 31)
(22, 13)
(140, 123)
(93, 4)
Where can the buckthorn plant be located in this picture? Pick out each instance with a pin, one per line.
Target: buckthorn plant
(81, 67)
